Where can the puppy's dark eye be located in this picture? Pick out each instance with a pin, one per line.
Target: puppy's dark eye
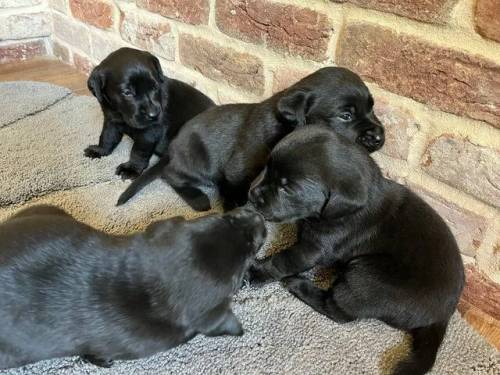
(345, 116)
(127, 92)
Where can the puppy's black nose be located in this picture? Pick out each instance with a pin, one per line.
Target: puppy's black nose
(153, 112)
(373, 139)
(251, 222)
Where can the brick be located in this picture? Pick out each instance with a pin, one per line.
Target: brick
(466, 166)
(193, 11)
(97, 13)
(230, 96)
(71, 32)
(484, 324)
(59, 5)
(82, 63)
(443, 78)
(285, 77)
(286, 28)
(148, 33)
(488, 258)
(433, 11)
(487, 19)
(23, 26)
(60, 51)
(18, 3)
(103, 45)
(22, 51)
(481, 292)
(400, 128)
(468, 228)
(222, 63)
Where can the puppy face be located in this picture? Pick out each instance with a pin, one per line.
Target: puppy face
(130, 83)
(290, 187)
(284, 195)
(313, 172)
(338, 98)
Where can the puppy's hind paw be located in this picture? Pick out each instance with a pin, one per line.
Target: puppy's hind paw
(97, 361)
(294, 284)
(230, 326)
(94, 152)
(257, 276)
(128, 171)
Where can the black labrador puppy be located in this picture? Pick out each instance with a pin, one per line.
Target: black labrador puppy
(138, 100)
(227, 146)
(396, 259)
(68, 289)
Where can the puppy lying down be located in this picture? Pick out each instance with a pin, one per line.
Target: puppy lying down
(68, 289)
(225, 147)
(395, 258)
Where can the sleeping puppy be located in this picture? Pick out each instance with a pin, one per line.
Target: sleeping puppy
(396, 259)
(226, 147)
(138, 100)
(68, 289)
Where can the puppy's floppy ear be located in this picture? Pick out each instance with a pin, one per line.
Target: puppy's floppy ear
(294, 106)
(159, 71)
(96, 83)
(342, 203)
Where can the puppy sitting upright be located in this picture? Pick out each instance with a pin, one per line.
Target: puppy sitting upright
(227, 146)
(395, 257)
(68, 289)
(138, 100)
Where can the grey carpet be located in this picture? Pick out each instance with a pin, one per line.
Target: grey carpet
(19, 103)
(43, 133)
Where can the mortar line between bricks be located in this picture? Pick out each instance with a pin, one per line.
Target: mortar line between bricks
(24, 10)
(48, 106)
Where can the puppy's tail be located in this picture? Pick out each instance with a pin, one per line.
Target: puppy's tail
(144, 179)
(426, 342)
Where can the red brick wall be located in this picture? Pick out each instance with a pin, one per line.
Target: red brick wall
(433, 66)
(25, 26)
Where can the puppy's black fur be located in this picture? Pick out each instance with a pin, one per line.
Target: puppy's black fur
(138, 100)
(68, 289)
(396, 259)
(227, 146)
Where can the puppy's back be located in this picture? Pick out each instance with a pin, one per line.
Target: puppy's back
(34, 230)
(185, 102)
(430, 246)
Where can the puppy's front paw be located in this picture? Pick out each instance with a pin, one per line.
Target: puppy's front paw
(97, 361)
(128, 171)
(294, 284)
(95, 151)
(257, 275)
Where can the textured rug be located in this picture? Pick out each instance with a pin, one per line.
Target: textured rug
(43, 131)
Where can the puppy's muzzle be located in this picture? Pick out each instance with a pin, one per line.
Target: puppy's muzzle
(372, 139)
(252, 223)
(256, 197)
(152, 112)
